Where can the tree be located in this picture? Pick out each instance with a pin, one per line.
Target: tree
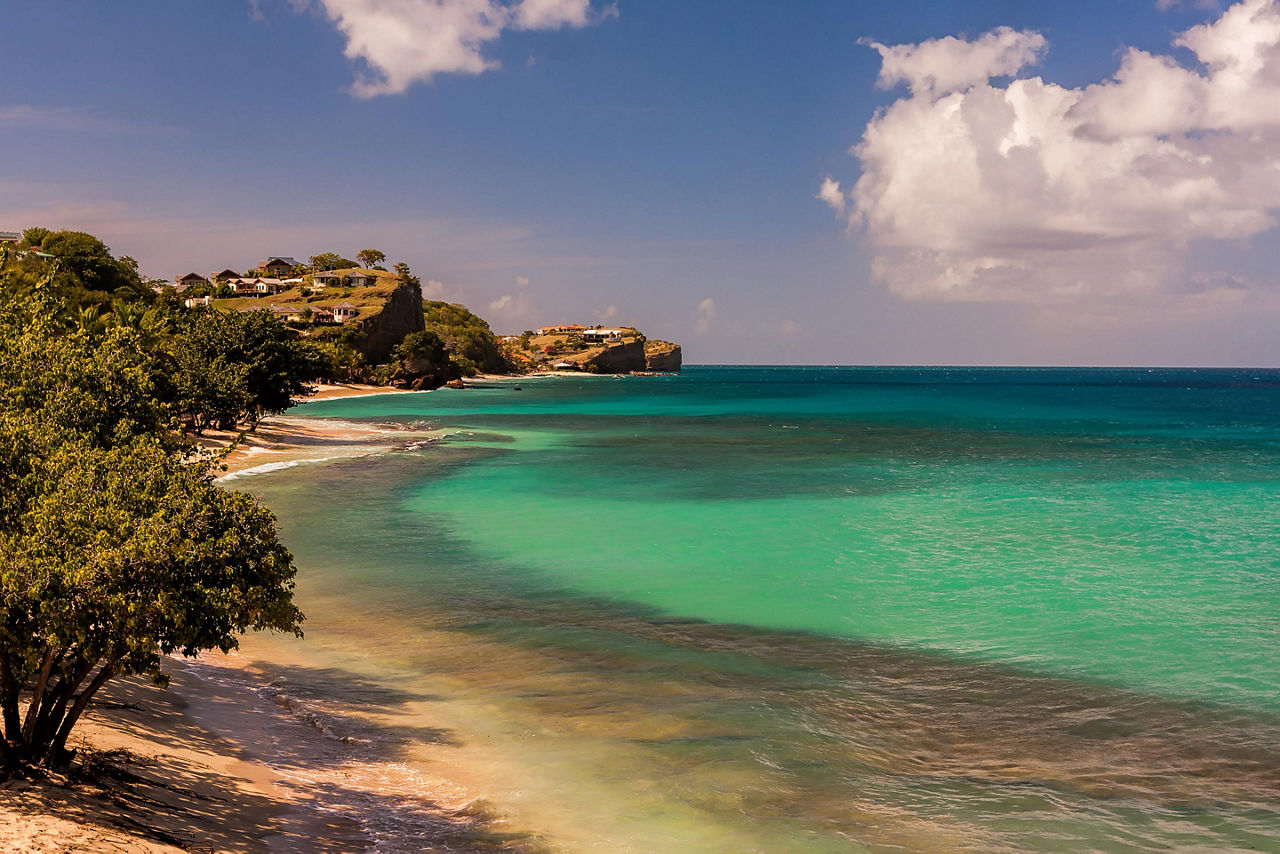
(330, 261)
(88, 260)
(232, 366)
(117, 557)
(370, 257)
(113, 551)
(33, 237)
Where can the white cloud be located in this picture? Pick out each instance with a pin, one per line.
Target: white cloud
(550, 14)
(706, 313)
(944, 65)
(831, 193)
(402, 42)
(1037, 192)
(434, 289)
(522, 281)
(608, 315)
(501, 302)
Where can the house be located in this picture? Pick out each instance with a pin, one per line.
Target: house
(243, 287)
(567, 366)
(602, 335)
(10, 237)
(322, 315)
(353, 277)
(181, 283)
(564, 327)
(344, 312)
(278, 265)
(266, 287)
(193, 302)
(224, 277)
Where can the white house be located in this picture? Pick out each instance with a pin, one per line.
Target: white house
(344, 312)
(602, 334)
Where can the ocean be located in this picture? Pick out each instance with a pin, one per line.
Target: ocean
(794, 609)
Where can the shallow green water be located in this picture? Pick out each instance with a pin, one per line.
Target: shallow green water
(826, 609)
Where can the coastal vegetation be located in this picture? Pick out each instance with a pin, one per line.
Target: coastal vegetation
(116, 546)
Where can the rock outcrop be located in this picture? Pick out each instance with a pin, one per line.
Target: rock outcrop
(662, 357)
(618, 359)
(400, 315)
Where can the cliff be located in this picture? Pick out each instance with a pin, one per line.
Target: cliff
(662, 357)
(400, 315)
(619, 359)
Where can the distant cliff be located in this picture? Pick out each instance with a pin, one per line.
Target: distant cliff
(621, 350)
(662, 357)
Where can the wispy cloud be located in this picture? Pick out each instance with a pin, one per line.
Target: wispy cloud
(706, 314)
(1040, 193)
(74, 120)
(397, 43)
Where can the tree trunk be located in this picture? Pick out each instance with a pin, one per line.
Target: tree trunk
(37, 693)
(59, 745)
(9, 701)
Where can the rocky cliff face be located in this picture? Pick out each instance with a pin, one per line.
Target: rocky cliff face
(400, 315)
(662, 356)
(618, 359)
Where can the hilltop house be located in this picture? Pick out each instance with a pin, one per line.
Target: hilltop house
(278, 265)
(353, 276)
(564, 327)
(10, 237)
(224, 277)
(598, 335)
(344, 312)
(192, 302)
(181, 283)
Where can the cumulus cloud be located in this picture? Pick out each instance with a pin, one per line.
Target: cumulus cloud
(706, 313)
(608, 315)
(502, 302)
(402, 42)
(1036, 192)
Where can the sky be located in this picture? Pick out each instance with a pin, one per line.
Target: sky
(765, 182)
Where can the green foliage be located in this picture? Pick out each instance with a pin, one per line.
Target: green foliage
(330, 261)
(33, 238)
(113, 551)
(467, 336)
(424, 345)
(369, 257)
(232, 366)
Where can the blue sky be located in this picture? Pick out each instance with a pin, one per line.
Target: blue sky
(656, 162)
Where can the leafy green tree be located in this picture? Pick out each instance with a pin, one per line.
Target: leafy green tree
(89, 262)
(113, 558)
(330, 261)
(33, 237)
(232, 366)
(370, 257)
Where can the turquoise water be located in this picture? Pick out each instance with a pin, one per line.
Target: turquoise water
(823, 609)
